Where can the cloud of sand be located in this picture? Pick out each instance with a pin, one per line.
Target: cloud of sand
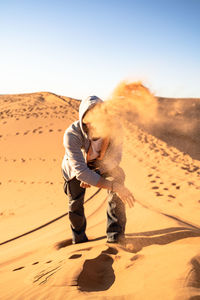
(178, 116)
(129, 102)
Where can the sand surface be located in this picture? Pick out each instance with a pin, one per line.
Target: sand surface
(160, 257)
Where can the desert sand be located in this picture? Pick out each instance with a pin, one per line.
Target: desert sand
(160, 257)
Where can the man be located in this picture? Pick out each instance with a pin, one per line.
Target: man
(91, 161)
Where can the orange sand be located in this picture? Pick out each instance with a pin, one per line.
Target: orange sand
(160, 258)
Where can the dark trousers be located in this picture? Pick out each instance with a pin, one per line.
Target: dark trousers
(116, 216)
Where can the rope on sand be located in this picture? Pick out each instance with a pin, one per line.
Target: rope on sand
(44, 225)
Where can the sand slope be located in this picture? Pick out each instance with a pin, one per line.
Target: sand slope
(160, 258)
(179, 124)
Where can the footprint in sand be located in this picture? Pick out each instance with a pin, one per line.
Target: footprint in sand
(159, 194)
(22, 181)
(84, 249)
(134, 259)
(171, 196)
(17, 269)
(26, 132)
(74, 256)
(33, 264)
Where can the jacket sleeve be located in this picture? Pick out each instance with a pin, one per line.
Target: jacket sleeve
(72, 146)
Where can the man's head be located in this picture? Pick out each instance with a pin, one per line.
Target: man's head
(87, 121)
(86, 114)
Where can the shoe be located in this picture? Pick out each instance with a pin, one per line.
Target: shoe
(115, 239)
(112, 240)
(79, 242)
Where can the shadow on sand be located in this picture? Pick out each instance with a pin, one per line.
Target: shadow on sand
(193, 277)
(97, 274)
(134, 242)
(68, 242)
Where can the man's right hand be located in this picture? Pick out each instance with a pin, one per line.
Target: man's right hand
(124, 194)
(85, 185)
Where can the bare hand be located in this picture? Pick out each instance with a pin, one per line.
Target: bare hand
(84, 185)
(124, 194)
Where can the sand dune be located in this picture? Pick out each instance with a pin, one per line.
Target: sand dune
(179, 124)
(160, 257)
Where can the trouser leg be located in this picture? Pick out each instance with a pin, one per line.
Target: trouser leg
(77, 218)
(116, 217)
(116, 214)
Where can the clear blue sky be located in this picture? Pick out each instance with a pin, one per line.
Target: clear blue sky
(82, 47)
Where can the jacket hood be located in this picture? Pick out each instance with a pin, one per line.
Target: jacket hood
(86, 105)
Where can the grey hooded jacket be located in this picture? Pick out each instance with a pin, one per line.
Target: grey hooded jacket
(77, 143)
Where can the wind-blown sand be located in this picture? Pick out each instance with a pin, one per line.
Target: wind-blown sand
(160, 257)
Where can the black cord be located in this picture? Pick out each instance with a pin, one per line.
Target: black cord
(44, 225)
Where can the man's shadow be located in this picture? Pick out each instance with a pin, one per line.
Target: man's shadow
(134, 242)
